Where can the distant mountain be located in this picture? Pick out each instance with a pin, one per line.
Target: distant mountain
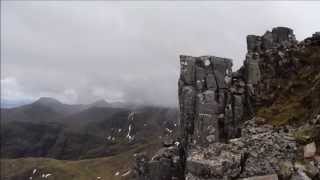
(44, 109)
(104, 103)
(47, 101)
(100, 103)
(49, 128)
(59, 107)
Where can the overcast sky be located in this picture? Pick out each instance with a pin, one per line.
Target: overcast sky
(79, 52)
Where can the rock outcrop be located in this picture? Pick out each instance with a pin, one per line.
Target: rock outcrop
(222, 135)
(164, 165)
(207, 100)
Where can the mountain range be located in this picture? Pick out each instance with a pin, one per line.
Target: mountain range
(48, 128)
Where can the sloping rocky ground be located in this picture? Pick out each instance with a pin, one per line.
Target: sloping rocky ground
(259, 123)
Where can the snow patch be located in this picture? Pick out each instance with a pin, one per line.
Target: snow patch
(126, 173)
(168, 130)
(207, 62)
(47, 175)
(129, 132)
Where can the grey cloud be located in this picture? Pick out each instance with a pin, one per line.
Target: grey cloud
(79, 52)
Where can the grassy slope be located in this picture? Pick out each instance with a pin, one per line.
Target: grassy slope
(299, 100)
(22, 168)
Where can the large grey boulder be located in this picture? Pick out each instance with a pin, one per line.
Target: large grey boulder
(164, 165)
(310, 150)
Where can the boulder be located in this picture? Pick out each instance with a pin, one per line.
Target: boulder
(165, 164)
(300, 175)
(311, 170)
(286, 169)
(211, 163)
(309, 150)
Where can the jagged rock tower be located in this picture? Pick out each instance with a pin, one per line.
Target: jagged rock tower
(219, 135)
(211, 106)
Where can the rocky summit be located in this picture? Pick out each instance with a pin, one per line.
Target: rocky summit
(260, 122)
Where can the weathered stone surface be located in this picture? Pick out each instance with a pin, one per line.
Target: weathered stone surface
(187, 113)
(203, 101)
(259, 151)
(210, 163)
(312, 170)
(165, 164)
(282, 34)
(309, 150)
(265, 149)
(187, 69)
(253, 42)
(267, 177)
(222, 68)
(267, 40)
(252, 68)
(286, 169)
(211, 82)
(300, 175)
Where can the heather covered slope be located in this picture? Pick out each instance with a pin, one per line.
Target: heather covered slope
(105, 168)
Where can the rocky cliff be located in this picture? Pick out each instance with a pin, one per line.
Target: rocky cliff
(260, 122)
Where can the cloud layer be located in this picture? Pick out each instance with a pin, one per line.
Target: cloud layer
(79, 52)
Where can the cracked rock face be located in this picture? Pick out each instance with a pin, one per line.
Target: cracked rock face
(206, 100)
(267, 59)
